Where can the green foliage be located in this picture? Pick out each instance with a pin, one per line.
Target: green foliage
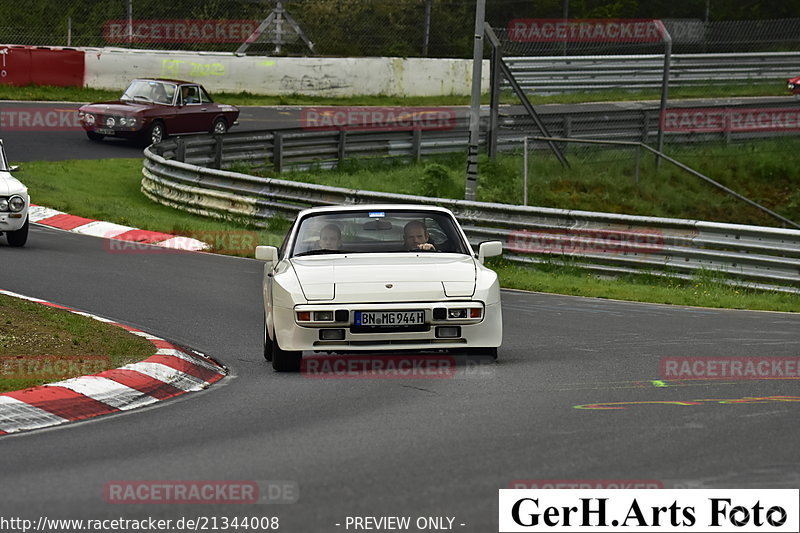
(435, 180)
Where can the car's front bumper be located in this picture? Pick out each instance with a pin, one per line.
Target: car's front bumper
(486, 332)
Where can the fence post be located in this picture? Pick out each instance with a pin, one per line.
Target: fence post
(218, 152)
(726, 134)
(525, 170)
(342, 145)
(277, 151)
(638, 159)
(416, 144)
(495, 75)
(645, 126)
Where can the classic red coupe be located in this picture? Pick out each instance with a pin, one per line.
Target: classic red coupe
(151, 109)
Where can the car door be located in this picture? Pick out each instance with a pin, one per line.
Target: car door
(192, 111)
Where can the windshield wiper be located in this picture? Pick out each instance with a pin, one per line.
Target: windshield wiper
(142, 97)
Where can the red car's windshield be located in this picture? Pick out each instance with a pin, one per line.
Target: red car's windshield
(151, 91)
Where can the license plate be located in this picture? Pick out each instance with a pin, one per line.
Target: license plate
(104, 131)
(389, 318)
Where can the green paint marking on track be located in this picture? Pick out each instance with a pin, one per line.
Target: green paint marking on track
(657, 383)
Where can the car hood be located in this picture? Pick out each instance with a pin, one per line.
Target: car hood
(10, 185)
(386, 277)
(118, 107)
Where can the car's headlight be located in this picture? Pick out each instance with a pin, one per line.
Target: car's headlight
(16, 203)
(3, 204)
(111, 122)
(127, 121)
(88, 118)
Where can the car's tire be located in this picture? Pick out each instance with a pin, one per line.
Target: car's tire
(18, 237)
(93, 136)
(220, 126)
(268, 344)
(285, 361)
(155, 133)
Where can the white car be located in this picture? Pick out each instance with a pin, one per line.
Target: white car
(14, 204)
(378, 278)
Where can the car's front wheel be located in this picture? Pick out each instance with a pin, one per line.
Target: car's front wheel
(267, 342)
(220, 126)
(155, 133)
(284, 360)
(18, 237)
(94, 136)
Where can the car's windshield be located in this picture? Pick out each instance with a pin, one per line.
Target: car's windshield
(150, 91)
(377, 232)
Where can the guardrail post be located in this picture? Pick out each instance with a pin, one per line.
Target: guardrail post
(645, 126)
(416, 144)
(277, 151)
(341, 152)
(218, 152)
(180, 151)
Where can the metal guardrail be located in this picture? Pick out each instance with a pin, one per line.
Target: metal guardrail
(601, 242)
(301, 148)
(586, 73)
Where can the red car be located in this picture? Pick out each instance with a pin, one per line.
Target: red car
(794, 85)
(151, 109)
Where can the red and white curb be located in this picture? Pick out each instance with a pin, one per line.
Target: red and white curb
(171, 371)
(98, 228)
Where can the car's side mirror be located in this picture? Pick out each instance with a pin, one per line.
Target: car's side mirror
(13, 168)
(267, 253)
(489, 249)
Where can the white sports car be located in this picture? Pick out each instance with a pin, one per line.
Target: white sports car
(378, 278)
(14, 204)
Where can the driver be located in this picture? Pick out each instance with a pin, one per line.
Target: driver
(416, 237)
(330, 237)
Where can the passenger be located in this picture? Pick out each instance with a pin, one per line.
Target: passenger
(416, 237)
(330, 237)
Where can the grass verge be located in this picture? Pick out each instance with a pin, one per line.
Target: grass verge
(704, 290)
(602, 180)
(109, 190)
(40, 344)
(75, 94)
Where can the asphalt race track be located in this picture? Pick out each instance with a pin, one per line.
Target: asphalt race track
(397, 447)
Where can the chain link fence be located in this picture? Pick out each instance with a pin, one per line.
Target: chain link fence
(357, 28)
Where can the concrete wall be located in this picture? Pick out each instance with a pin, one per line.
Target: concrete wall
(114, 68)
